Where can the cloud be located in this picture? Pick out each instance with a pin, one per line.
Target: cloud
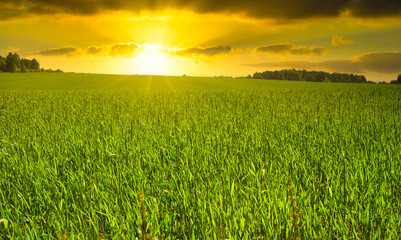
(130, 50)
(331, 66)
(95, 50)
(114, 50)
(123, 49)
(10, 10)
(374, 8)
(341, 40)
(385, 62)
(288, 48)
(210, 51)
(59, 51)
(288, 9)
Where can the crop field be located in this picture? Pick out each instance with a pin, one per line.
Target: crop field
(122, 157)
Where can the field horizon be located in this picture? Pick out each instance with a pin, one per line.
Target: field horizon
(149, 83)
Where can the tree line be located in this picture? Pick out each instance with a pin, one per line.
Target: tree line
(398, 81)
(310, 76)
(13, 63)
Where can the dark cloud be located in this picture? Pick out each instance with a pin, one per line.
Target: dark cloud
(374, 8)
(11, 10)
(341, 40)
(95, 50)
(285, 9)
(129, 50)
(59, 51)
(123, 49)
(385, 62)
(211, 51)
(288, 48)
(115, 50)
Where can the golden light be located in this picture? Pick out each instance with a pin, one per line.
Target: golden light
(152, 60)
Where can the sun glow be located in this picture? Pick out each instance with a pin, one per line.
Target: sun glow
(152, 60)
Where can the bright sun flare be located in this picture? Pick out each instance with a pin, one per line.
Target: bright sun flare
(151, 60)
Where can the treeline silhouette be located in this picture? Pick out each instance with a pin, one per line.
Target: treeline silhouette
(13, 63)
(398, 81)
(310, 76)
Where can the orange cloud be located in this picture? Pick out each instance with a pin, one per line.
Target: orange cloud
(115, 50)
(59, 51)
(95, 50)
(384, 62)
(341, 40)
(288, 48)
(123, 49)
(130, 50)
(210, 51)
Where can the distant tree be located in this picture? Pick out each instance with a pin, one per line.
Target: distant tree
(23, 67)
(12, 62)
(35, 65)
(2, 64)
(26, 63)
(398, 81)
(311, 76)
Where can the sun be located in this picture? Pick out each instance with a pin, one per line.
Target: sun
(152, 60)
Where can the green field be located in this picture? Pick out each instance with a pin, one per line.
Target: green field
(214, 158)
(151, 84)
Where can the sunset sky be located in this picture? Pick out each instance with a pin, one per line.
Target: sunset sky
(206, 37)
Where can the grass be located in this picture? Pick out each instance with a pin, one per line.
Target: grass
(151, 84)
(105, 157)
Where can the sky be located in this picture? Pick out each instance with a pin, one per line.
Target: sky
(206, 37)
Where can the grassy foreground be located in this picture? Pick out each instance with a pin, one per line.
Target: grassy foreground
(214, 158)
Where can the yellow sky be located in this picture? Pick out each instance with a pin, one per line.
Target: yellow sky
(198, 38)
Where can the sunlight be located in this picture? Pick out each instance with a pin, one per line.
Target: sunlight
(151, 60)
